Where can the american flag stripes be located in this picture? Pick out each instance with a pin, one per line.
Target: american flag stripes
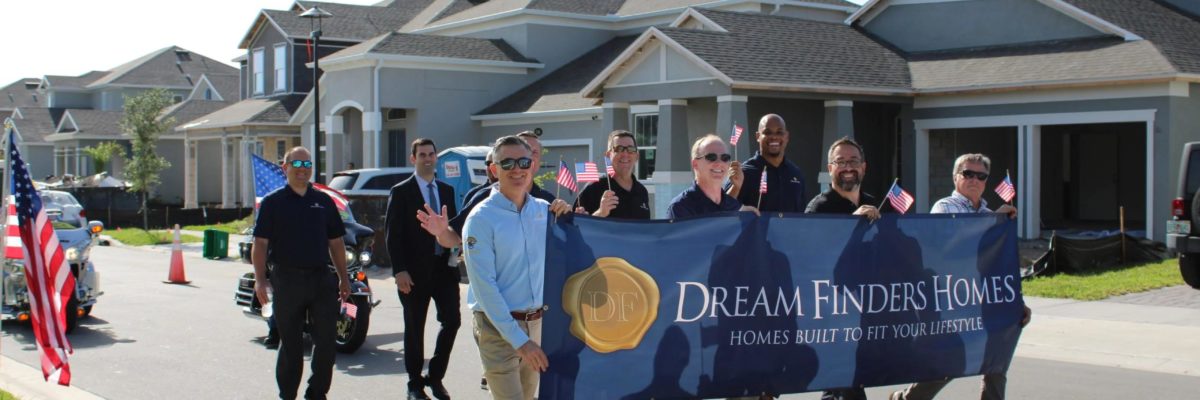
(737, 134)
(339, 200)
(12, 241)
(46, 272)
(350, 309)
(1006, 190)
(566, 178)
(762, 183)
(587, 172)
(608, 168)
(899, 198)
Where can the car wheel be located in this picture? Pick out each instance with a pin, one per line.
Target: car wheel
(1189, 267)
(72, 311)
(352, 332)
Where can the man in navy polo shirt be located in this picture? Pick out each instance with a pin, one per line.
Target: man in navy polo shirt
(299, 232)
(711, 163)
(785, 181)
(621, 195)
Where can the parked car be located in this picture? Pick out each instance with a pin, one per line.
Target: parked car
(1183, 233)
(369, 181)
(62, 207)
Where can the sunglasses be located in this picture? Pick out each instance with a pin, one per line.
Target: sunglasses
(507, 164)
(624, 149)
(712, 157)
(301, 164)
(846, 163)
(966, 173)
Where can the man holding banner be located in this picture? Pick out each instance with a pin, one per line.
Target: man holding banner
(785, 181)
(970, 178)
(711, 163)
(847, 165)
(619, 195)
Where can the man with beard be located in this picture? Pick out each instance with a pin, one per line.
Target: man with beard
(711, 163)
(847, 165)
(618, 196)
(785, 181)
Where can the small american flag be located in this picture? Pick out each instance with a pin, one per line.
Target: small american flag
(566, 178)
(899, 198)
(47, 273)
(608, 168)
(737, 133)
(587, 172)
(762, 183)
(1006, 190)
(350, 309)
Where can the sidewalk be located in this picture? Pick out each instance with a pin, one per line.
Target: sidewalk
(27, 383)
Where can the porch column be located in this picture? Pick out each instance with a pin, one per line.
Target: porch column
(372, 124)
(732, 110)
(839, 121)
(334, 158)
(190, 182)
(246, 171)
(672, 164)
(920, 162)
(616, 116)
(1029, 183)
(228, 177)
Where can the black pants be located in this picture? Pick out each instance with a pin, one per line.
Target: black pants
(855, 393)
(443, 290)
(299, 296)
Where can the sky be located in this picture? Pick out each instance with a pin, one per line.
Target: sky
(72, 37)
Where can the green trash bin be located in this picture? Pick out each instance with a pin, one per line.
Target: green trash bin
(216, 244)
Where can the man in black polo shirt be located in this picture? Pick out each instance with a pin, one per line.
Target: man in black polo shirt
(619, 196)
(711, 164)
(298, 231)
(785, 181)
(456, 224)
(847, 165)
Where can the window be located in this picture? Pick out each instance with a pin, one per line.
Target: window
(386, 181)
(176, 99)
(260, 86)
(281, 148)
(280, 68)
(397, 114)
(645, 130)
(208, 95)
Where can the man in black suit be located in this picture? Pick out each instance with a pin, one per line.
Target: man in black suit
(421, 269)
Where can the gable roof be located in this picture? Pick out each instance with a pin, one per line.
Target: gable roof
(72, 82)
(22, 93)
(188, 110)
(226, 87)
(348, 23)
(1176, 35)
(171, 67)
(90, 122)
(559, 90)
(1097, 23)
(35, 123)
(249, 112)
(453, 47)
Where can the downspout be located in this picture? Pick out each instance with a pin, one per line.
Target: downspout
(378, 113)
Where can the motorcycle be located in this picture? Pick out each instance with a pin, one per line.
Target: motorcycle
(351, 327)
(77, 246)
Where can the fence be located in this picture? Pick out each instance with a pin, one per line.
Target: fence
(118, 207)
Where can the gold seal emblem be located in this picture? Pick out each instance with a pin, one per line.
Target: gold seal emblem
(612, 304)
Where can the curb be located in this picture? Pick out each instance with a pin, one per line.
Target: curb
(27, 383)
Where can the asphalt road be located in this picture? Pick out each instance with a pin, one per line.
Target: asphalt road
(149, 340)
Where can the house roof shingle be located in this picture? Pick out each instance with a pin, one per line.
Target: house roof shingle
(36, 123)
(350, 22)
(191, 109)
(228, 86)
(764, 48)
(437, 46)
(559, 90)
(74, 82)
(167, 67)
(21, 94)
(95, 122)
(1176, 35)
(246, 113)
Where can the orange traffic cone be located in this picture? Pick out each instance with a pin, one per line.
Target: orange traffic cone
(176, 274)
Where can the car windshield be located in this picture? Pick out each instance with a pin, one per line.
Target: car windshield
(58, 199)
(342, 182)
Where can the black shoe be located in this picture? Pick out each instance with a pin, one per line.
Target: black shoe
(483, 383)
(417, 394)
(272, 342)
(439, 391)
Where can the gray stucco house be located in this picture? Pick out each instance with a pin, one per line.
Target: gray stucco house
(1085, 103)
(61, 115)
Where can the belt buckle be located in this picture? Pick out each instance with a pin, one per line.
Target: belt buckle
(536, 313)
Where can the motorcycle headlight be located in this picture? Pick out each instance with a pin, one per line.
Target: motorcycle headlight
(365, 257)
(350, 255)
(73, 255)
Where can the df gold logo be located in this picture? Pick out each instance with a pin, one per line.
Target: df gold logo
(612, 304)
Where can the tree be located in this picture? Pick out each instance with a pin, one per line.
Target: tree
(143, 125)
(102, 153)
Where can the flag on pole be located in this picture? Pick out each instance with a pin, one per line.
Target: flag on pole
(46, 272)
(762, 183)
(899, 198)
(608, 168)
(12, 241)
(350, 309)
(737, 134)
(267, 177)
(566, 178)
(587, 172)
(1006, 190)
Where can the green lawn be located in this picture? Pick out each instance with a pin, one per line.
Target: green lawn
(4, 395)
(234, 227)
(138, 237)
(1105, 283)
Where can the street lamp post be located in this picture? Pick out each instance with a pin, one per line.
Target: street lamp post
(314, 15)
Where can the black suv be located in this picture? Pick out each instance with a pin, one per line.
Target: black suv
(1183, 231)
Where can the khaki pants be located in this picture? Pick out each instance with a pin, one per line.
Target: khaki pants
(508, 378)
(991, 389)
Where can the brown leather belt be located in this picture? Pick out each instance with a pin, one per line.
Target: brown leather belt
(529, 316)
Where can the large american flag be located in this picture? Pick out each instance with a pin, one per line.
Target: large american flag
(566, 178)
(268, 177)
(1006, 190)
(587, 172)
(46, 272)
(899, 198)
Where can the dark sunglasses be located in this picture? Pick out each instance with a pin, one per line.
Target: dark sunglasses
(624, 149)
(712, 157)
(301, 164)
(966, 173)
(522, 163)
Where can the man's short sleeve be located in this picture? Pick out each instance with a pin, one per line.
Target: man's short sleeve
(262, 223)
(334, 228)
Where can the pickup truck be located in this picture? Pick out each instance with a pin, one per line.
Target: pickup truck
(1183, 230)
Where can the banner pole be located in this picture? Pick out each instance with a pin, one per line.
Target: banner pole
(4, 186)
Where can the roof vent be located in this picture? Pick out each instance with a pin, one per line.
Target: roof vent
(183, 55)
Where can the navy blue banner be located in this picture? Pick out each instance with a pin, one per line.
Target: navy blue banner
(738, 305)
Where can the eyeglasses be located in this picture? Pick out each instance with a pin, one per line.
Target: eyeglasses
(846, 163)
(966, 173)
(507, 164)
(712, 157)
(301, 164)
(624, 149)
